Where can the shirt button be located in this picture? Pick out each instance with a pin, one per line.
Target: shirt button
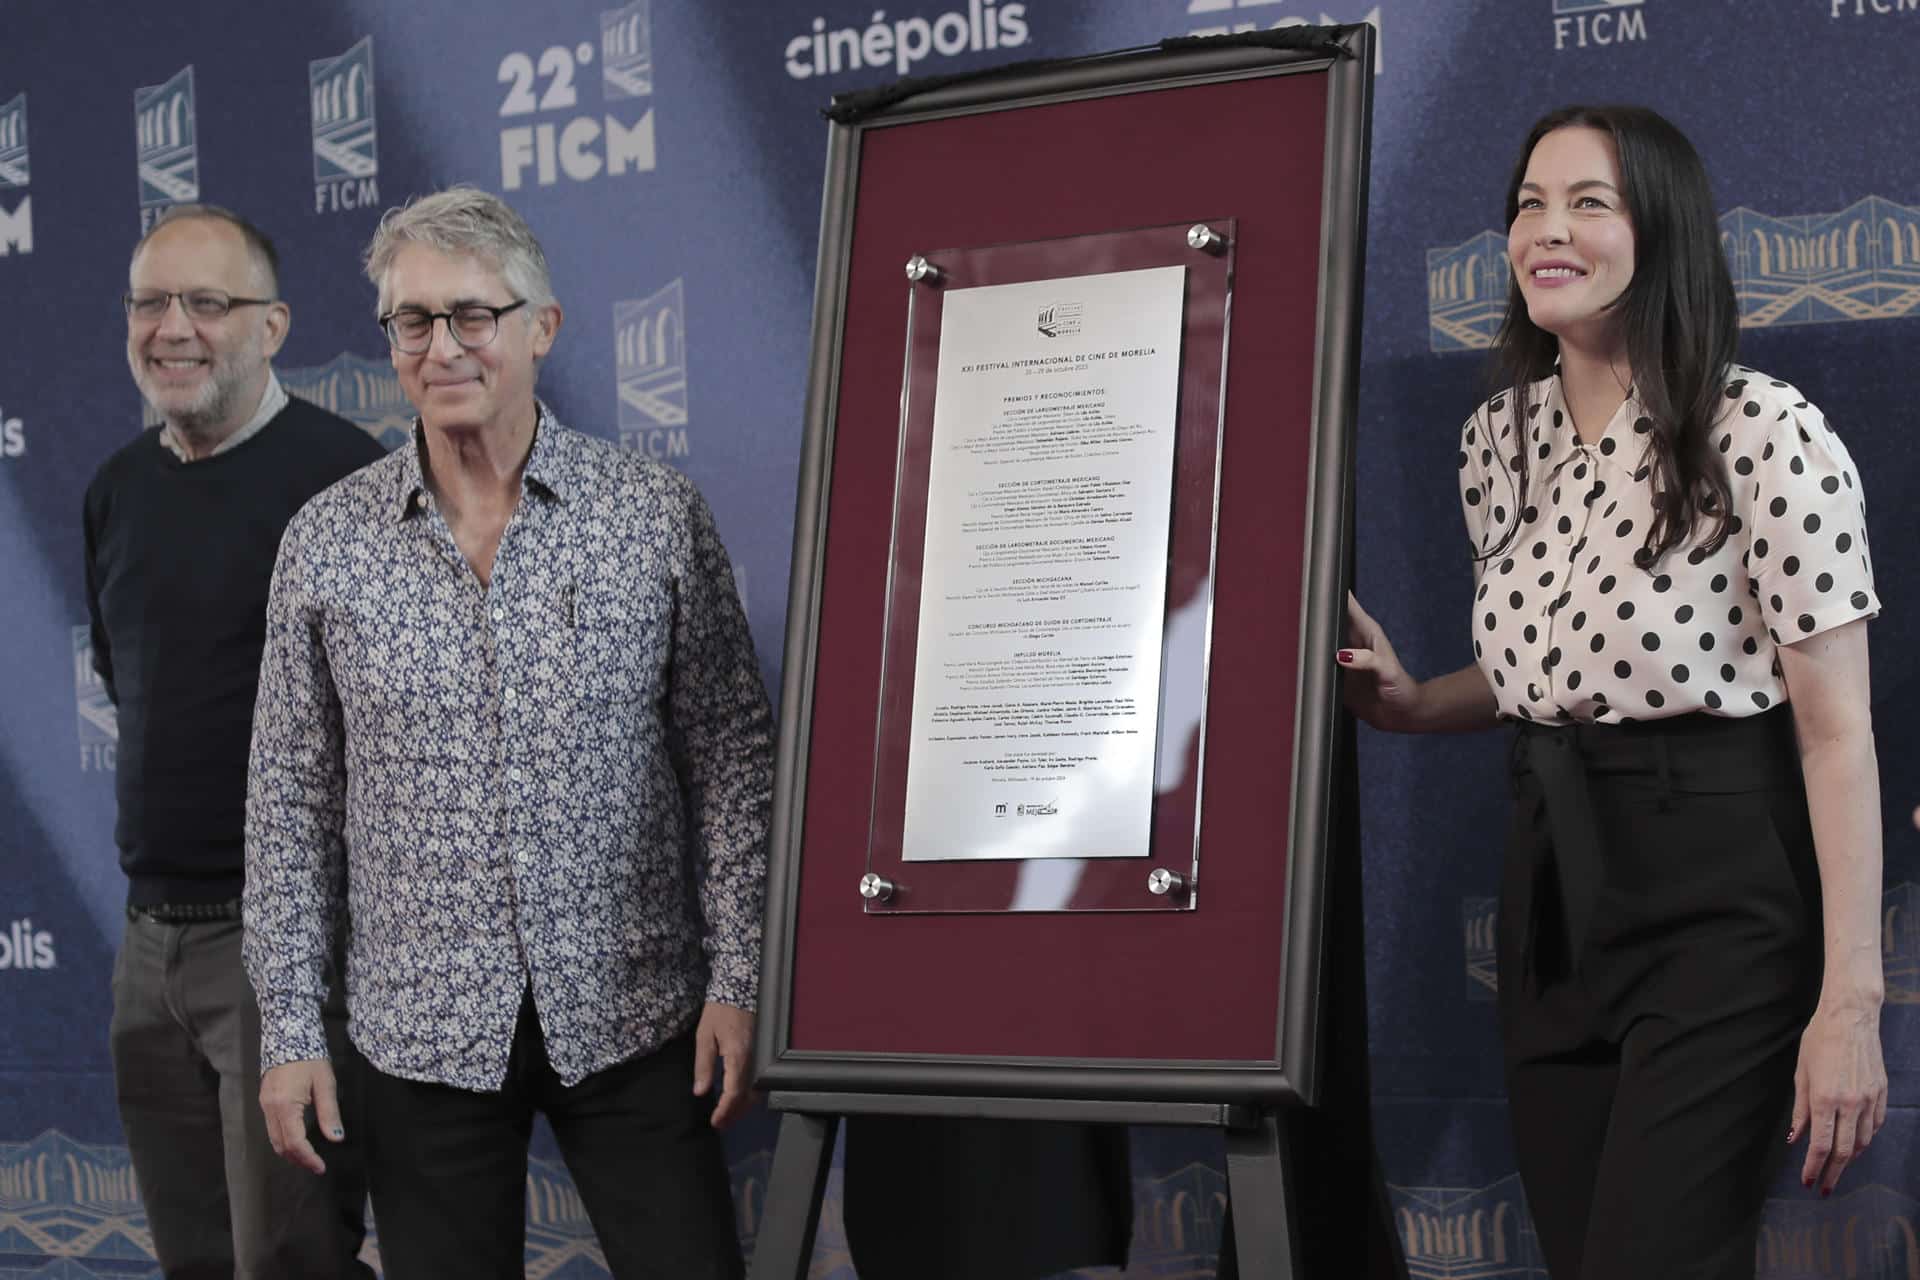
(507, 695)
(499, 615)
(421, 501)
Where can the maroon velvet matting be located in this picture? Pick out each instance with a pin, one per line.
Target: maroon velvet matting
(1198, 985)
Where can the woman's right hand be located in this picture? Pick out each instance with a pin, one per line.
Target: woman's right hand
(1376, 688)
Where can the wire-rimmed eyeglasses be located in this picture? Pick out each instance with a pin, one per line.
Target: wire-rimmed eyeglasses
(201, 304)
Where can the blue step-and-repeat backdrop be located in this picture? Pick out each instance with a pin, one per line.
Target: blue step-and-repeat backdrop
(670, 155)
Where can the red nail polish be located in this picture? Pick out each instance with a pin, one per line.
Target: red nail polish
(1807, 1183)
(1345, 655)
(1826, 1192)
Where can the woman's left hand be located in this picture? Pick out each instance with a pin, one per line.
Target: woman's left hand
(1839, 1090)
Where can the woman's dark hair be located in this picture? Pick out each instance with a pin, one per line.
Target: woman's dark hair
(1679, 314)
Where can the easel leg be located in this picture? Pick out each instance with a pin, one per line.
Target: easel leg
(1266, 1238)
(783, 1249)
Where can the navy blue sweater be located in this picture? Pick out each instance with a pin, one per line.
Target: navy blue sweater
(179, 557)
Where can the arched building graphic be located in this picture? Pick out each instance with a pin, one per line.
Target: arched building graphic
(1478, 916)
(1178, 1218)
(64, 1199)
(13, 142)
(1873, 1232)
(169, 158)
(626, 52)
(345, 141)
(364, 391)
(1466, 293)
(1862, 263)
(1900, 943)
(650, 359)
(1455, 1233)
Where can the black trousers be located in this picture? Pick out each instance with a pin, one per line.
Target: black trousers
(1651, 1033)
(448, 1167)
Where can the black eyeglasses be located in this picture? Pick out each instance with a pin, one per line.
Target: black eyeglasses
(201, 304)
(472, 324)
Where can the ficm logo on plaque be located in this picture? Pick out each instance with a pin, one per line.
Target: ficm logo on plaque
(16, 220)
(168, 145)
(650, 372)
(99, 723)
(1584, 24)
(1232, 17)
(24, 947)
(580, 148)
(899, 44)
(346, 152)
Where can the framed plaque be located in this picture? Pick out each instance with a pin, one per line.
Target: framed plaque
(1102, 567)
(1040, 741)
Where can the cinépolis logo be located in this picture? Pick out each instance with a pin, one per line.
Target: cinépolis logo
(24, 947)
(16, 218)
(13, 435)
(898, 44)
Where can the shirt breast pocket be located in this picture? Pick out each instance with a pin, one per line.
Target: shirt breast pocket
(621, 644)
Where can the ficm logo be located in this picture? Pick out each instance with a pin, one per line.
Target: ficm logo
(1234, 17)
(169, 151)
(1579, 24)
(346, 152)
(362, 390)
(650, 372)
(1059, 320)
(13, 436)
(899, 44)
(21, 947)
(99, 723)
(583, 147)
(16, 224)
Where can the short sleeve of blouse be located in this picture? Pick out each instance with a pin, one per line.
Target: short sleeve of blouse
(1483, 499)
(1805, 515)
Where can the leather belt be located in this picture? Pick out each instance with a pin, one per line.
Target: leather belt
(186, 912)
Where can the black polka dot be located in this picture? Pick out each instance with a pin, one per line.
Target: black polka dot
(1778, 507)
(1726, 442)
(1643, 424)
(1606, 446)
(1734, 615)
(1573, 680)
(1565, 524)
(1515, 600)
(1499, 678)
(1790, 566)
(1749, 646)
(1625, 610)
(1489, 621)
(1712, 700)
(1579, 620)
(1662, 582)
(1830, 485)
(1580, 471)
(1546, 579)
(1859, 600)
(1552, 659)
(1606, 584)
(1473, 497)
(1531, 633)
(1811, 524)
(1499, 515)
(1843, 543)
(1743, 466)
(1506, 566)
(1511, 660)
(1533, 691)
(1655, 698)
(1623, 668)
(1719, 582)
(1680, 673)
(1806, 623)
(1529, 514)
(1775, 602)
(1683, 614)
(1751, 408)
(1727, 672)
(1761, 700)
(1823, 583)
(1767, 453)
(1760, 548)
(1622, 529)
(1539, 550)
(1650, 641)
(1799, 465)
(1599, 641)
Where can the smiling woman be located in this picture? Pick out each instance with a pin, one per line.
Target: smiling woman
(1668, 549)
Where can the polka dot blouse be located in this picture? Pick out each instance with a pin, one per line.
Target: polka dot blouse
(1566, 627)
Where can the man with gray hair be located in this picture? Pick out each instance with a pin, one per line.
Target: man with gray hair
(511, 703)
(181, 526)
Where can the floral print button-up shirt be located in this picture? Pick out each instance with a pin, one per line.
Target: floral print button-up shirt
(560, 780)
